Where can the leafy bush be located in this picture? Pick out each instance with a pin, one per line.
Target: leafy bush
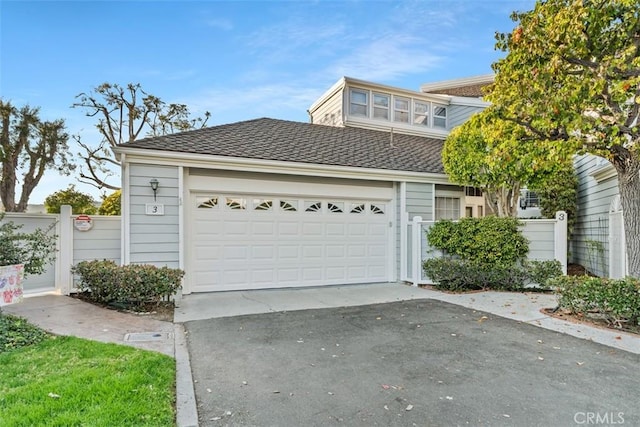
(16, 332)
(616, 301)
(80, 203)
(457, 275)
(485, 241)
(131, 285)
(485, 253)
(111, 204)
(35, 250)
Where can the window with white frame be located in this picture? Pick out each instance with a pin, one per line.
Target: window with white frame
(440, 116)
(421, 113)
(401, 109)
(447, 208)
(358, 102)
(380, 106)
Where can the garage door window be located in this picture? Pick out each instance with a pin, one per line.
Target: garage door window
(377, 209)
(357, 208)
(207, 202)
(313, 206)
(236, 203)
(289, 205)
(335, 207)
(262, 204)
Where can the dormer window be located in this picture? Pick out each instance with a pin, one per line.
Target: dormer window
(380, 106)
(440, 116)
(358, 103)
(401, 110)
(421, 113)
(408, 110)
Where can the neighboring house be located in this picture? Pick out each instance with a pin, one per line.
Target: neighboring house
(598, 237)
(271, 203)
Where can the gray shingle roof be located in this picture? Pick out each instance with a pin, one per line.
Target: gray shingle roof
(281, 140)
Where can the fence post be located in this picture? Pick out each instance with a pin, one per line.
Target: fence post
(560, 246)
(65, 254)
(416, 246)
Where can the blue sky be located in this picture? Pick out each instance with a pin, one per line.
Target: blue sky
(237, 59)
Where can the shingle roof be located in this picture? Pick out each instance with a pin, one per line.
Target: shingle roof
(281, 140)
(475, 90)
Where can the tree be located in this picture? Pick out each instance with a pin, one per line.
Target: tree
(489, 153)
(125, 114)
(111, 204)
(28, 147)
(559, 192)
(80, 203)
(572, 75)
(36, 250)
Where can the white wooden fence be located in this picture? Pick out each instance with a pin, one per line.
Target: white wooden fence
(102, 241)
(547, 241)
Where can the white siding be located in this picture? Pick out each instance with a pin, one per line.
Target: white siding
(420, 200)
(458, 114)
(590, 241)
(330, 112)
(154, 239)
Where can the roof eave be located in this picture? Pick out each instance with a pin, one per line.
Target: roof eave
(205, 161)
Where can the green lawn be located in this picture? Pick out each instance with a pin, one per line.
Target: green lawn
(68, 381)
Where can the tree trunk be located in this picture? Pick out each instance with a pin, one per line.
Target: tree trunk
(629, 186)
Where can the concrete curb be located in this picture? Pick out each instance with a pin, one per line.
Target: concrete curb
(186, 410)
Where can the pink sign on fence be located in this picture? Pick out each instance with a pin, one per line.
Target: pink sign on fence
(11, 284)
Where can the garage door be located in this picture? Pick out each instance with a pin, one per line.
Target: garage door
(254, 242)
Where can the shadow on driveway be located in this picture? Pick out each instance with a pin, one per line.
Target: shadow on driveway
(420, 362)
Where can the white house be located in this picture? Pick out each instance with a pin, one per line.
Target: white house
(271, 203)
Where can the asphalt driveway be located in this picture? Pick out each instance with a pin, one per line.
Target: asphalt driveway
(419, 362)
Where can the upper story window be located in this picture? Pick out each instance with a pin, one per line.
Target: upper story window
(401, 110)
(380, 106)
(421, 113)
(440, 116)
(358, 103)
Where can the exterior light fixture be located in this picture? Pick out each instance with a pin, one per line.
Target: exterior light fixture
(154, 186)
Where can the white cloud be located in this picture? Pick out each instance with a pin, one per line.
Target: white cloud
(220, 24)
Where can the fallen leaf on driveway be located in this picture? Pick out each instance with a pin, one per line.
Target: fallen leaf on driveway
(618, 337)
(482, 319)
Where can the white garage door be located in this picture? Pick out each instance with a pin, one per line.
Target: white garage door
(254, 242)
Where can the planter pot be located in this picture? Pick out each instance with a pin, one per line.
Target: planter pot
(11, 284)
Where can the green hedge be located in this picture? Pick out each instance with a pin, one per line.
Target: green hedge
(484, 253)
(458, 275)
(616, 301)
(485, 241)
(132, 285)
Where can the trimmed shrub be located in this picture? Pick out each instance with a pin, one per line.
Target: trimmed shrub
(36, 250)
(615, 301)
(486, 241)
(457, 275)
(485, 253)
(133, 286)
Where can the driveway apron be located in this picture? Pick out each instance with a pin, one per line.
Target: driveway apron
(418, 362)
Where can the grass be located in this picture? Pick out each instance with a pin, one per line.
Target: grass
(68, 381)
